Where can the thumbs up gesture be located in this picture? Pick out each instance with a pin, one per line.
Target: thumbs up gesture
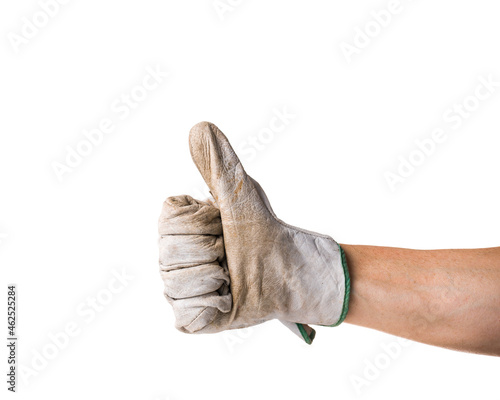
(232, 263)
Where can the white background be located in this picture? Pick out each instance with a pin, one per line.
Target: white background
(325, 171)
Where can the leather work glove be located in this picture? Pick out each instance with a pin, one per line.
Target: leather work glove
(232, 263)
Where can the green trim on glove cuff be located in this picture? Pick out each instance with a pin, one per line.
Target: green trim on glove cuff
(345, 306)
(308, 338)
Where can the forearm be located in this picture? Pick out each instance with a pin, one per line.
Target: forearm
(448, 298)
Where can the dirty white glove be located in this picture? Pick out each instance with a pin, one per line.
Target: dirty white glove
(234, 264)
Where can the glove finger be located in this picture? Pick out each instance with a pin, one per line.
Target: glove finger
(195, 281)
(191, 251)
(195, 313)
(182, 251)
(183, 215)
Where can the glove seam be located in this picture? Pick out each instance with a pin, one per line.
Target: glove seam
(198, 316)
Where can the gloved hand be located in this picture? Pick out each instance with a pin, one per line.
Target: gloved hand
(242, 266)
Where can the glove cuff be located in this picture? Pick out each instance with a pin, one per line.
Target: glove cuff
(345, 306)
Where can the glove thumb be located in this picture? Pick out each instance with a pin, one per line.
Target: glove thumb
(221, 169)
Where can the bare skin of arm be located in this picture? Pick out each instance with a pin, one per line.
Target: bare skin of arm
(447, 298)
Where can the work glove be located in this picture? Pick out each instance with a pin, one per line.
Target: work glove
(230, 263)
